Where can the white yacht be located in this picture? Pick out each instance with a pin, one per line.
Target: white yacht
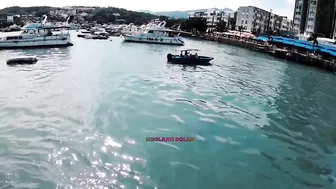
(83, 32)
(37, 35)
(130, 29)
(155, 34)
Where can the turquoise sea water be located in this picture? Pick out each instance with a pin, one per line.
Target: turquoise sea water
(79, 118)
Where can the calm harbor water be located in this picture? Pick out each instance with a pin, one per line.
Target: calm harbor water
(79, 117)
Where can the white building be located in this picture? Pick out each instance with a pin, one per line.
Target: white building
(213, 16)
(314, 16)
(311, 17)
(11, 18)
(286, 24)
(299, 15)
(256, 19)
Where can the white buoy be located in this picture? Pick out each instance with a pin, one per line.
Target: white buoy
(22, 60)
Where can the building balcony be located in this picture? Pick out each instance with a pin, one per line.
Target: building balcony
(297, 16)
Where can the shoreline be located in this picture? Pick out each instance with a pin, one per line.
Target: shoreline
(304, 58)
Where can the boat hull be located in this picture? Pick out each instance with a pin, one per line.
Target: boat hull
(35, 44)
(29, 45)
(81, 35)
(158, 40)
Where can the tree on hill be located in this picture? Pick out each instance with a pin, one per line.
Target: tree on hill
(190, 24)
(221, 26)
(199, 24)
(24, 10)
(98, 14)
(102, 15)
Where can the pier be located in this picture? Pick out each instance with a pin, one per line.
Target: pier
(303, 52)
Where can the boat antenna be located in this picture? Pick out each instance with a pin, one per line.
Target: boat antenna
(45, 19)
(69, 19)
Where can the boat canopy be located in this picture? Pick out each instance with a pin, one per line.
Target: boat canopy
(31, 26)
(39, 26)
(189, 50)
(55, 27)
(160, 29)
(308, 45)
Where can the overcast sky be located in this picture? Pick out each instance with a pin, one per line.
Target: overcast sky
(281, 7)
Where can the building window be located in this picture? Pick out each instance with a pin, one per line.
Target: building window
(245, 21)
(242, 22)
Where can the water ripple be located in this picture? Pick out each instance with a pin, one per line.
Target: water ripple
(80, 120)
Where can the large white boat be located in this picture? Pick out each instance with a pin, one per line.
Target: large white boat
(154, 33)
(37, 35)
(130, 29)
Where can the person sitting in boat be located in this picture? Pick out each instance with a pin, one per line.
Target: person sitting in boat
(181, 55)
(49, 33)
(196, 55)
(186, 54)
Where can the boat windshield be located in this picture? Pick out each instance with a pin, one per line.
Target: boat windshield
(31, 26)
(192, 53)
(190, 50)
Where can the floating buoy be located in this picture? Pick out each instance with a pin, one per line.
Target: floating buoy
(22, 60)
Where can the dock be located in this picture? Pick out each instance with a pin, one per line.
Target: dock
(302, 52)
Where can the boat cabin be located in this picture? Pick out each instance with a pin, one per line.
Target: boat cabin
(36, 30)
(160, 32)
(43, 29)
(189, 53)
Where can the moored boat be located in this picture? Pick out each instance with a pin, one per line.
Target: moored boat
(188, 59)
(157, 36)
(37, 35)
(154, 33)
(22, 60)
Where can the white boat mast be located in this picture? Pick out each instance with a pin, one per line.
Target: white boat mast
(44, 20)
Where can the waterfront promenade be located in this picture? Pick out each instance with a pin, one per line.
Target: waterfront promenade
(286, 52)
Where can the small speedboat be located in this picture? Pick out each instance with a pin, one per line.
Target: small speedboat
(100, 37)
(187, 58)
(22, 60)
(83, 33)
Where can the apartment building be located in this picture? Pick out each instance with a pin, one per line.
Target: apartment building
(314, 16)
(300, 14)
(213, 16)
(286, 24)
(255, 19)
(275, 22)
